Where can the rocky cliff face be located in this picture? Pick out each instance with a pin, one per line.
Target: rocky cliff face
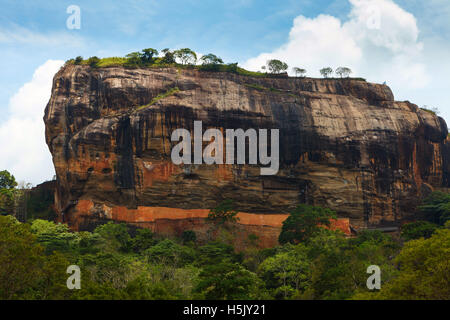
(344, 144)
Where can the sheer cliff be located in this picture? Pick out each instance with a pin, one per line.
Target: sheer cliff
(344, 144)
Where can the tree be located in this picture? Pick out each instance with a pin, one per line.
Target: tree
(276, 66)
(343, 72)
(7, 180)
(287, 272)
(418, 229)
(299, 71)
(148, 55)
(19, 258)
(186, 56)
(168, 58)
(114, 236)
(303, 222)
(54, 237)
(143, 240)
(436, 207)
(228, 281)
(325, 72)
(78, 60)
(223, 213)
(211, 59)
(424, 270)
(168, 252)
(188, 236)
(340, 264)
(93, 61)
(7, 192)
(134, 58)
(26, 272)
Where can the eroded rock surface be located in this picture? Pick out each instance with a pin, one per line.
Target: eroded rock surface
(344, 144)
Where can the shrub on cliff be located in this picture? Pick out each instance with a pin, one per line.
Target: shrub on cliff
(78, 60)
(134, 59)
(93, 61)
(223, 213)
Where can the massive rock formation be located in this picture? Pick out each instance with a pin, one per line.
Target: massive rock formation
(344, 144)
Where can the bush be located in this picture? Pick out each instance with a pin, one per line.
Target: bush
(188, 236)
(417, 230)
(437, 208)
(168, 252)
(304, 222)
(93, 61)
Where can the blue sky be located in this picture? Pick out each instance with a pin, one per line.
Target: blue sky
(414, 36)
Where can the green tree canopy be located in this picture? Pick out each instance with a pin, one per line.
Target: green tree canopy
(7, 180)
(7, 192)
(424, 266)
(168, 58)
(343, 72)
(223, 213)
(134, 58)
(303, 222)
(436, 207)
(276, 66)
(148, 55)
(186, 56)
(299, 71)
(93, 61)
(418, 229)
(325, 72)
(211, 59)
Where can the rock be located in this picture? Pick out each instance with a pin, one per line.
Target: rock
(344, 144)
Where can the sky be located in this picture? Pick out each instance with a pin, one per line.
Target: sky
(403, 42)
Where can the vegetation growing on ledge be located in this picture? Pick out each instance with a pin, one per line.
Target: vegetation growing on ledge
(186, 58)
(159, 97)
(433, 111)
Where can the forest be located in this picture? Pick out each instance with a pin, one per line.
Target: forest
(312, 262)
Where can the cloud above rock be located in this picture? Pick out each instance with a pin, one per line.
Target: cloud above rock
(22, 135)
(379, 41)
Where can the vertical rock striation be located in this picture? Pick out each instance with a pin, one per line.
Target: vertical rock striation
(344, 144)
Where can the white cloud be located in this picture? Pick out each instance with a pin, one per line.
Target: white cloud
(379, 41)
(25, 36)
(22, 136)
